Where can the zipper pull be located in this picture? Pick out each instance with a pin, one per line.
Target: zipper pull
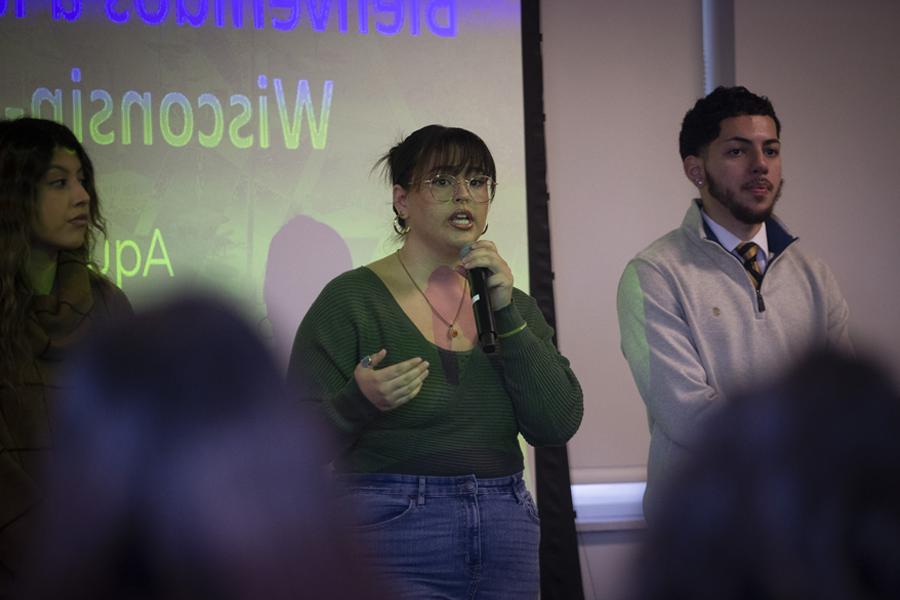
(759, 301)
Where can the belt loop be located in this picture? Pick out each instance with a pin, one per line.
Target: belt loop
(421, 499)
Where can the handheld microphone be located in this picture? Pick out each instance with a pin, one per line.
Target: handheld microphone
(484, 312)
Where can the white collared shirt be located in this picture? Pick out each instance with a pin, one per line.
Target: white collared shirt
(729, 240)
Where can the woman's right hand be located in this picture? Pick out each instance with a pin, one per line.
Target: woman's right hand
(392, 386)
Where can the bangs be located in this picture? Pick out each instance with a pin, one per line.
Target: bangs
(455, 151)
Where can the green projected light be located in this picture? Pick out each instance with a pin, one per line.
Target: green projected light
(233, 141)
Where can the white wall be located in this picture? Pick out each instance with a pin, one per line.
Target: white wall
(619, 77)
(832, 70)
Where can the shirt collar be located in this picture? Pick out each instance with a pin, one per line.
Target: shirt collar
(731, 241)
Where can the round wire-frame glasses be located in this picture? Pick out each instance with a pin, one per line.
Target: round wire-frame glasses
(481, 188)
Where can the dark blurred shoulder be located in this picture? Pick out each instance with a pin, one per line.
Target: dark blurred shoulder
(110, 302)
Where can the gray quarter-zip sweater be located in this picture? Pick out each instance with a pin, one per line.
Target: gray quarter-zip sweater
(694, 329)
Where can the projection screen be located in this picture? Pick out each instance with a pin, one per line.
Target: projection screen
(234, 140)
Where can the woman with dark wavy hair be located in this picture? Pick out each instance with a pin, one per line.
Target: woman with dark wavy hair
(49, 299)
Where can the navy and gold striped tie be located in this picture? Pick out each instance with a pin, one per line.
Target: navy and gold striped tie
(748, 252)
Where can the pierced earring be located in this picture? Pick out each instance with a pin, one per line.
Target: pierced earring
(400, 225)
(699, 183)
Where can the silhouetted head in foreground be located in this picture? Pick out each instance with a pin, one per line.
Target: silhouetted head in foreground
(793, 493)
(183, 471)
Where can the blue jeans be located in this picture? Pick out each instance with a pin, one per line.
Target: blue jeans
(448, 537)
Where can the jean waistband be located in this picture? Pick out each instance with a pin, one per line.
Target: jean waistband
(415, 485)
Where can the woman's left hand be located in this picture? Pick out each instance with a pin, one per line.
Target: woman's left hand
(483, 253)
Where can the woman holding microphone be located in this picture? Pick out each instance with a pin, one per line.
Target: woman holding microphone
(428, 421)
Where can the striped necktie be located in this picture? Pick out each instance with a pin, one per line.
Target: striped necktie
(748, 252)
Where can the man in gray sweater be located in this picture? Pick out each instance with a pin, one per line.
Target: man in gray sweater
(729, 297)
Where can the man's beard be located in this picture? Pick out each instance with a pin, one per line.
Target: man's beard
(750, 215)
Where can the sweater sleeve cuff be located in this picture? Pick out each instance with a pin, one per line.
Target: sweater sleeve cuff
(508, 319)
(350, 410)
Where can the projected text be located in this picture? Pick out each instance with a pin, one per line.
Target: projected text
(241, 120)
(384, 17)
(124, 259)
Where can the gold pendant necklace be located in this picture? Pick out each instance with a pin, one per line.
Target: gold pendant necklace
(452, 331)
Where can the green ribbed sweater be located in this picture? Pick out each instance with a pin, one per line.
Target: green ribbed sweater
(465, 419)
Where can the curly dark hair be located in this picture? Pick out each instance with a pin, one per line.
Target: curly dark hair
(26, 150)
(701, 124)
(435, 146)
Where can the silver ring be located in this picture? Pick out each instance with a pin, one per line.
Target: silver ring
(366, 361)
